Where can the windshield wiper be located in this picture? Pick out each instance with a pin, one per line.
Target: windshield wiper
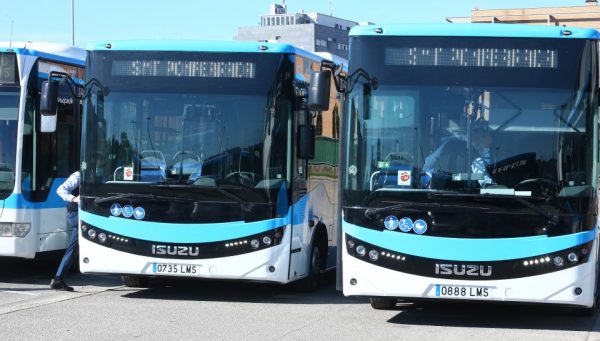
(146, 196)
(219, 189)
(553, 219)
(371, 212)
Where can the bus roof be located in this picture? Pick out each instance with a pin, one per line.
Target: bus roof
(194, 46)
(476, 30)
(204, 46)
(51, 51)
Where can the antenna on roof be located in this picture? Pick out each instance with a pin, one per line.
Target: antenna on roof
(12, 24)
(331, 7)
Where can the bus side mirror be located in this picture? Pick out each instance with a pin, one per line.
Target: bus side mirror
(319, 91)
(48, 105)
(306, 142)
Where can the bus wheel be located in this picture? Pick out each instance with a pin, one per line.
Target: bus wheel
(311, 282)
(382, 303)
(135, 281)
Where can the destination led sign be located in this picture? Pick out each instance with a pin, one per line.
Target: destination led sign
(471, 57)
(183, 68)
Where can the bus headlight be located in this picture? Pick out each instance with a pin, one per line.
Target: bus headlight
(14, 229)
(267, 240)
(572, 257)
(6, 230)
(254, 243)
(101, 237)
(558, 261)
(92, 233)
(21, 230)
(360, 250)
(374, 255)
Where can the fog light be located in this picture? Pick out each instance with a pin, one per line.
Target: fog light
(267, 240)
(353, 281)
(572, 257)
(101, 237)
(271, 268)
(374, 255)
(350, 243)
(86, 260)
(558, 261)
(360, 250)
(578, 291)
(92, 233)
(254, 243)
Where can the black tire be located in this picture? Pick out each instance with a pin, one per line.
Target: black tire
(383, 303)
(135, 281)
(312, 281)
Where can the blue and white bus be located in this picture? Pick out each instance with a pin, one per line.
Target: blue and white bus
(201, 159)
(470, 164)
(34, 163)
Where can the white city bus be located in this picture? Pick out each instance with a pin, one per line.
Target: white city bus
(201, 159)
(34, 163)
(470, 164)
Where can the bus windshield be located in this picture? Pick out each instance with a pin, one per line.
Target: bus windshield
(187, 121)
(9, 111)
(457, 117)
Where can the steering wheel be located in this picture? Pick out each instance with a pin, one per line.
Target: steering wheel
(244, 178)
(546, 187)
(182, 153)
(404, 157)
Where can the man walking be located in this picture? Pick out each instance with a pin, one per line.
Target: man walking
(69, 192)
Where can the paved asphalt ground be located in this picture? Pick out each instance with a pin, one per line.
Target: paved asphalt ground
(103, 309)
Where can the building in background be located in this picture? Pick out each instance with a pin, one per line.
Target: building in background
(313, 32)
(587, 15)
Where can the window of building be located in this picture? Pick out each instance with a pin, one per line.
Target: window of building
(321, 42)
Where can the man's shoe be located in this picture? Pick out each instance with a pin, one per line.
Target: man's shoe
(59, 284)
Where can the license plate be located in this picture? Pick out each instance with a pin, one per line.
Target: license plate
(462, 291)
(175, 269)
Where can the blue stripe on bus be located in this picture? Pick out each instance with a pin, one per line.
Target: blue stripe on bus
(196, 233)
(476, 30)
(18, 201)
(181, 233)
(459, 249)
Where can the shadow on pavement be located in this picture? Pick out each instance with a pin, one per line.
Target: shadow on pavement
(500, 316)
(18, 270)
(247, 292)
(35, 272)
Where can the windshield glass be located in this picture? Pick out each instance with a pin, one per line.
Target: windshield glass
(176, 121)
(493, 117)
(9, 112)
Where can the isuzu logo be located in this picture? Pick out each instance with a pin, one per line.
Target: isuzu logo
(463, 270)
(173, 250)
